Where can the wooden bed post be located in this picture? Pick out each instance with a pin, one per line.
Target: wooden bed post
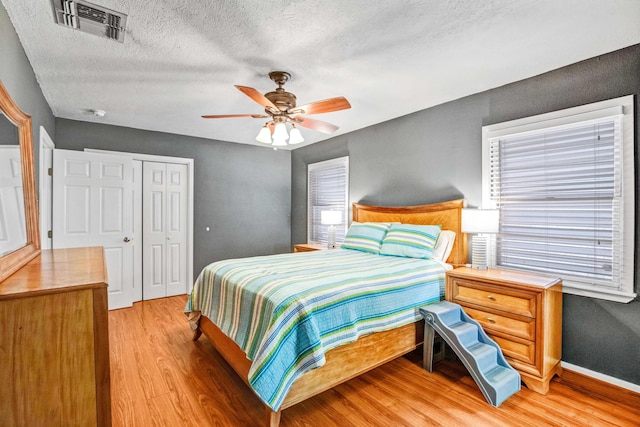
(273, 417)
(197, 332)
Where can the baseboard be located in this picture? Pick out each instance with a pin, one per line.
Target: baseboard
(602, 377)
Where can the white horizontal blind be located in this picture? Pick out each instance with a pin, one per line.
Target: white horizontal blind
(559, 195)
(328, 184)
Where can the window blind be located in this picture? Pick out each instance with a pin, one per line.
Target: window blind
(327, 190)
(559, 195)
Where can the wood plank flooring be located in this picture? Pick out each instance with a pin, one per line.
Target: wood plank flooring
(159, 377)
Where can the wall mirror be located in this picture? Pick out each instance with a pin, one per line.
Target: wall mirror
(19, 231)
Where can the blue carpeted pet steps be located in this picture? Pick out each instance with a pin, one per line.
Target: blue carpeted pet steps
(479, 353)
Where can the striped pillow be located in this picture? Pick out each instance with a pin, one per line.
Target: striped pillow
(366, 237)
(409, 240)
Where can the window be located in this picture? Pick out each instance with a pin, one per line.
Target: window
(564, 184)
(328, 189)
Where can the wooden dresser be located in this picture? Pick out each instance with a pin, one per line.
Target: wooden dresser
(54, 341)
(522, 312)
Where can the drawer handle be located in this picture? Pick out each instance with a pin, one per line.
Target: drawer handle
(491, 297)
(491, 320)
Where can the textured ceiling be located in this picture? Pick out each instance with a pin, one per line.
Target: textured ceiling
(182, 58)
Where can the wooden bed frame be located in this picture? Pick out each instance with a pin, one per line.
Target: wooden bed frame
(348, 361)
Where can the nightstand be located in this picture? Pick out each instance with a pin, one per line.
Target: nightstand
(522, 312)
(309, 247)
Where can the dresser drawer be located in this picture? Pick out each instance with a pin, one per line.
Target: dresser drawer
(523, 328)
(477, 293)
(524, 351)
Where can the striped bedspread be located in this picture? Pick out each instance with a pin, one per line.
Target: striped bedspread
(286, 311)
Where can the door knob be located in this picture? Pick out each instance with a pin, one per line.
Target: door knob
(126, 240)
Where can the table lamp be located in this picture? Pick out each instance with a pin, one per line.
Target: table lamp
(331, 218)
(480, 222)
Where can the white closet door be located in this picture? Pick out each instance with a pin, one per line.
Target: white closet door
(92, 207)
(164, 214)
(176, 229)
(154, 230)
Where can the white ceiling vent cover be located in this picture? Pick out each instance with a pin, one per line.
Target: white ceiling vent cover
(90, 18)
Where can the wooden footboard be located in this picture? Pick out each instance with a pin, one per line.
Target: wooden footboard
(342, 363)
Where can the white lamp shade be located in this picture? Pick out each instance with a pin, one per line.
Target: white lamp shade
(264, 135)
(331, 217)
(279, 142)
(480, 220)
(295, 137)
(280, 132)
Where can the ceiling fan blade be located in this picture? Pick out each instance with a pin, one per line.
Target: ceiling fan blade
(323, 127)
(230, 116)
(324, 106)
(257, 97)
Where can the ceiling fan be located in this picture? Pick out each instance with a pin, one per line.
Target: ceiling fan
(280, 107)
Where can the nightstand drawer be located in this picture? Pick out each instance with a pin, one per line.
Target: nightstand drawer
(493, 297)
(524, 351)
(525, 328)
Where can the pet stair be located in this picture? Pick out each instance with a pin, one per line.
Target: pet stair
(481, 356)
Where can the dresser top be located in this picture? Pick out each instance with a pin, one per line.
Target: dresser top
(57, 270)
(506, 276)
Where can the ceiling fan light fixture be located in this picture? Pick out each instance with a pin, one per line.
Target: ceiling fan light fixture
(264, 135)
(281, 107)
(280, 132)
(295, 137)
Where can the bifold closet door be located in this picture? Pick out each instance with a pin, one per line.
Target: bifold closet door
(164, 229)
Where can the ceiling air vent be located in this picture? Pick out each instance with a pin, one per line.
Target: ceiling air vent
(90, 18)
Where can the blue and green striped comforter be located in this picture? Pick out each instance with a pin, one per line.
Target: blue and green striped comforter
(286, 311)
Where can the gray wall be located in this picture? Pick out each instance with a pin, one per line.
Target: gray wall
(435, 155)
(241, 192)
(18, 78)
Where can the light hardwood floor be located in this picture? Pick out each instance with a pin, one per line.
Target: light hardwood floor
(159, 377)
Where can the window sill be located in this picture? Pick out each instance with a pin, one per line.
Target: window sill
(584, 290)
(605, 294)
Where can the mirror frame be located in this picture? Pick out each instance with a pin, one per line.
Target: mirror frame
(13, 261)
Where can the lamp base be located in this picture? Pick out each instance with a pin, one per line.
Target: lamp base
(479, 252)
(331, 237)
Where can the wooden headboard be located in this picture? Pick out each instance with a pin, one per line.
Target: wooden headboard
(447, 214)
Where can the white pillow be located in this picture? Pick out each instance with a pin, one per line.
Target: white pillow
(444, 245)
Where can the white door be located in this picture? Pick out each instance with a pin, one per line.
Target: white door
(13, 232)
(46, 188)
(92, 197)
(137, 230)
(164, 232)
